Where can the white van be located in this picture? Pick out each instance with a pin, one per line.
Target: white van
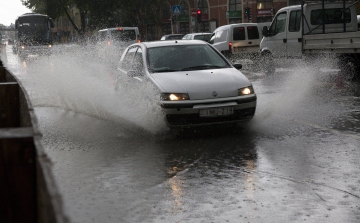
(240, 38)
(112, 41)
(128, 35)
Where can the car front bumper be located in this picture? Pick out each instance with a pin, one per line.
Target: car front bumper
(187, 113)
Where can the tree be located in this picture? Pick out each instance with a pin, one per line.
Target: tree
(57, 8)
(139, 12)
(102, 13)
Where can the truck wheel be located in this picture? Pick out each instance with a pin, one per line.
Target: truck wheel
(349, 69)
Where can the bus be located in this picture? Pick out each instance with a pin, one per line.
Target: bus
(33, 34)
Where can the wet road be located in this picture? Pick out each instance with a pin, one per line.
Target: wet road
(115, 161)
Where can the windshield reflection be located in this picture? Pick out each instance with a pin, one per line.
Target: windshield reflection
(184, 58)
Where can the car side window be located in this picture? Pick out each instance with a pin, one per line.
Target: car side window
(239, 33)
(253, 32)
(126, 63)
(294, 21)
(138, 64)
(278, 26)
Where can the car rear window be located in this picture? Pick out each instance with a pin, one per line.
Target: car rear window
(176, 37)
(123, 35)
(102, 35)
(239, 33)
(253, 32)
(202, 37)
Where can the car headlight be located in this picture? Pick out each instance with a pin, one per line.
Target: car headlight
(174, 96)
(246, 91)
(49, 45)
(22, 47)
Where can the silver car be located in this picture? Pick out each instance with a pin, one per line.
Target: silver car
(199, 36)
(197, 86)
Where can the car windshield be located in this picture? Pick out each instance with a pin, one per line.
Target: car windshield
(184, 58)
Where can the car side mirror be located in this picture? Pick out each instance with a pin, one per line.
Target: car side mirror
(237, 66)
(265, 31)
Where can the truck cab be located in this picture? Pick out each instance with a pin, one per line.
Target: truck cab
(285, 37)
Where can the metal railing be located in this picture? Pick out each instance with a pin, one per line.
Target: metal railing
(28, 189)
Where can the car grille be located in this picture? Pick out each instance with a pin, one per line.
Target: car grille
(242, 101)
(194, 119)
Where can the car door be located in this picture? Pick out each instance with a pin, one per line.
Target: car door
(277, 40)
(294, 38)
(137, 71)
(130, 67)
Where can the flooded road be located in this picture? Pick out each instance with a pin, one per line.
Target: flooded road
(115, 160)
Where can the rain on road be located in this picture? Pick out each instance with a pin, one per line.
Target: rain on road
(115, 160)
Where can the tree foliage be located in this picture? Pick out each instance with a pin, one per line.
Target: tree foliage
(102, 13)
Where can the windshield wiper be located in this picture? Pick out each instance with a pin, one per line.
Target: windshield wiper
(201, 67)
(163, 69)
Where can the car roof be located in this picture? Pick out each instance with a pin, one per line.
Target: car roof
(172, 43)
(198, 34)
(167, 35)
(237, 24)
(117, 28)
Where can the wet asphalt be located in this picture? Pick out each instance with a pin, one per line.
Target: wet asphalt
(296, 161)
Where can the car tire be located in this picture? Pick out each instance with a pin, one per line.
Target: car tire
(349, 68)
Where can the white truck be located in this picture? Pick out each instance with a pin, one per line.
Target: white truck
(313, 30)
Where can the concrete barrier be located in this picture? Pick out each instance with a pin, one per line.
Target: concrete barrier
(28, 189)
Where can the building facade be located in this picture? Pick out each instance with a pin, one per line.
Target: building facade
(180, 15)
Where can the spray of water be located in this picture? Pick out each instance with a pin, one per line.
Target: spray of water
(78, 80)
(295, 90)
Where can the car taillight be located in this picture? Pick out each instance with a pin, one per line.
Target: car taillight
(139, 41)
(230, 45)
(108, 43)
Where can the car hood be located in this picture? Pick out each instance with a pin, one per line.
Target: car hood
(202, 84)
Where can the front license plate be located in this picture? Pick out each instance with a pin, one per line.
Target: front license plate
(216, 112)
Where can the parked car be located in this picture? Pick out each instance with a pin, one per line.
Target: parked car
(240, 38)
(199, 36)
(196, 84)
(172, 36)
